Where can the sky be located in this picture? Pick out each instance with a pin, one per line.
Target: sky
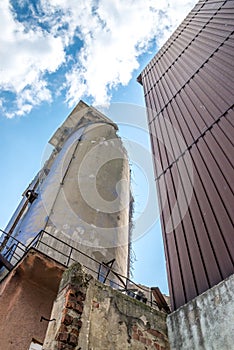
(54, 53)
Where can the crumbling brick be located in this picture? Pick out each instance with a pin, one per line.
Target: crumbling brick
(148, 341)
(72, 292)
(65, 311)
(67, 319)
(73, 339)
(71, 304)
(62, 337)
(80, 296)
(70, 298)
(135, 336)
(62, 328)
(77, 322)
(156, 333)
(143, 340)
(78, 308)
(62, 346)
(75, 331)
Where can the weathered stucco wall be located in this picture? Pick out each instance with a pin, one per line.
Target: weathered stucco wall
(90, 315)
(92, 205)
(207, 322)
(83, 195)
(26, 294)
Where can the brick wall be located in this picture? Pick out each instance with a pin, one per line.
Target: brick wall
(151, 338)
(90, 315)
(68, 332)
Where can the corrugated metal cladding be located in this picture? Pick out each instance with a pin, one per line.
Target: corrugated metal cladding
(189, 89)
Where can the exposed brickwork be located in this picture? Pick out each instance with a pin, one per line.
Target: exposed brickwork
(68, 333)
(152, 338)
(110, 320)
(156, 333)
(67, 319)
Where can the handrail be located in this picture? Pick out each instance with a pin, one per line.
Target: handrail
(65, 243)
(68, 256)
(38, 240)
(84, 254)
(10, 236)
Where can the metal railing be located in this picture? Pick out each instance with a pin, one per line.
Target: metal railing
(66, 254)
(13, 249)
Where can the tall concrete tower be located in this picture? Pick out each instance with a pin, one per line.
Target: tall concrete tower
(77, 207)
(188, 90)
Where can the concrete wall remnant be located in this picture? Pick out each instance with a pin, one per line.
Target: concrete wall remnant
(206, 322)
(90, 315)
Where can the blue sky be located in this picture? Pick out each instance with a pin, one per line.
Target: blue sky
(54, 53)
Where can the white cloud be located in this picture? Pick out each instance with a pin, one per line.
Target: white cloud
(25, 55)
(114, 34)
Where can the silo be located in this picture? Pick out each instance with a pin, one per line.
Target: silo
(77, 207)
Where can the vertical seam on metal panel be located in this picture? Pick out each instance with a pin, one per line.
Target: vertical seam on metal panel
(217, 163)
(173, 184)
(173, 301)
(161, 134)
(200, 31)
(169, 206)
(195, 196)
(206, 194)
(176, 243)
(191, 77)
(190, 214)
(181, 31)
(194, 227)
(207, 230)
(185, 195)
(217, 191)
(201, 136)
(168, 255)
(225, 134)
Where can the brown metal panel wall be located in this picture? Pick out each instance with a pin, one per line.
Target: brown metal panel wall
(188, 89)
